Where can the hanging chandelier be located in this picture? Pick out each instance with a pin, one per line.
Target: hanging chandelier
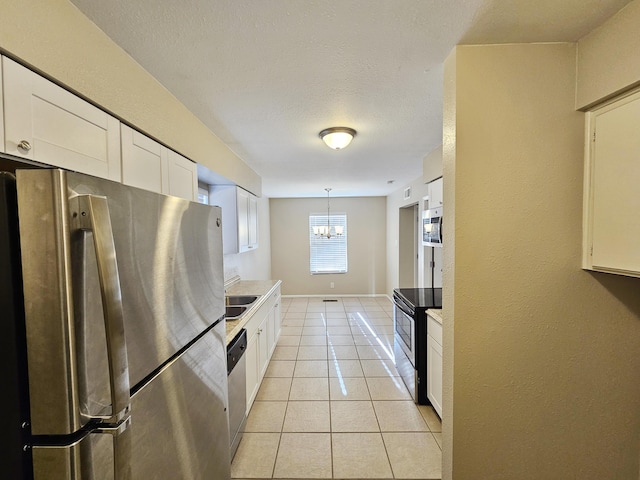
(324, 231)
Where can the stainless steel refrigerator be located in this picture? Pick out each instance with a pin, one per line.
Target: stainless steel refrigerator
(112, 348)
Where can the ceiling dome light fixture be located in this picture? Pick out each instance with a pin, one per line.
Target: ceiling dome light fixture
(337, 137)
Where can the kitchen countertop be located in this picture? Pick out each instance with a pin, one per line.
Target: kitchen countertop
(261, 288)
(436, 314)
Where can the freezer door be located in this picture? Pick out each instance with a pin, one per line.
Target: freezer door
(179, 425)
(168, 253)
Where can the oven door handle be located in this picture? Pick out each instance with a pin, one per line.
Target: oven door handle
(403, 307)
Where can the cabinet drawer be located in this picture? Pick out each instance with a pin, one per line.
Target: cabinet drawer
(434, 329)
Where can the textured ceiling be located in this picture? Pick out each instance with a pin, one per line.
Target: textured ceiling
(267, 75)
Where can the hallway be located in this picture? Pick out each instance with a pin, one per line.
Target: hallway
(332, 406)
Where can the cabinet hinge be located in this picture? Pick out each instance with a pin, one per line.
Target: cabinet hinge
(591, 251)
(594, 135)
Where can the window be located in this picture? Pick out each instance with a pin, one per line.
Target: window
(328, 255)
(203, 193)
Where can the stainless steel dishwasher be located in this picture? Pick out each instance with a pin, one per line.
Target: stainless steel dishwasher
(236, 375)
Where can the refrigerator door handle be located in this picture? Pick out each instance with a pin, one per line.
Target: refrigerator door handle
(91, 212)
(121, 448)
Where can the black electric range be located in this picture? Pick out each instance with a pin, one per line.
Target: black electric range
(419, 297)
(410, 336)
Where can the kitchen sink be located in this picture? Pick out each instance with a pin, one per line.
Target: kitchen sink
(240, 299)
(234, 312)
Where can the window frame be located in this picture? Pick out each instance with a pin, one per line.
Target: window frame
(335, 242)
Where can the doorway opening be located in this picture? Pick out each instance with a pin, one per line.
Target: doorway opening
(408, 246)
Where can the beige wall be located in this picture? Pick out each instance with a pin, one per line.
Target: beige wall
(366, 246)
(432, 165)
(448, 258)
(545, 380)
(609, 57)
(396, 201)
(55, 38)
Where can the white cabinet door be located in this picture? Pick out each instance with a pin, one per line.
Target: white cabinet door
(243, 219)
(225, 197)
(150, 165)
(253, 369)
(144, 161)
(263, 329)
(265, 351)
(612, 198)
(434, 190)
(434, 363)
(183, 177)
(239, 217)
(46, 123)
(434, 374)
(252, 221)
(277, 320)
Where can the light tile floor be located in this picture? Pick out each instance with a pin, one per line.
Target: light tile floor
(332, 406)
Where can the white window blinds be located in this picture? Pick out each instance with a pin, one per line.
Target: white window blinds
(328, 255)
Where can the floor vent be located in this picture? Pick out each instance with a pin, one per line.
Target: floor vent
(329, 300)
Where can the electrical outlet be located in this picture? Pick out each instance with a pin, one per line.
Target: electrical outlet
(331, 285)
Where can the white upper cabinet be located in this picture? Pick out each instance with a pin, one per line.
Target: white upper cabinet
(239, 217)
(434, 190)
(46, 123)
(144, 161)
(611, 226)
(183, 177)
(243, 218)
(252, 222)
(150, 165)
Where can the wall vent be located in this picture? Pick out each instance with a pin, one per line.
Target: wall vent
(407, 193)
(329, 300)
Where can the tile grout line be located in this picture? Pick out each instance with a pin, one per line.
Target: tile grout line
(327, 376)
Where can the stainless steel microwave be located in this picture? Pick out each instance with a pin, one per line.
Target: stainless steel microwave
(432, 227)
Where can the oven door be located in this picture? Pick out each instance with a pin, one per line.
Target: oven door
(404, 349)
(404, 332)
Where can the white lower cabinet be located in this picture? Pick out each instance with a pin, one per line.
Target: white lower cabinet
(253, 369)
(263, 330)
(434, 364)
(275, 320)
(46, 123)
